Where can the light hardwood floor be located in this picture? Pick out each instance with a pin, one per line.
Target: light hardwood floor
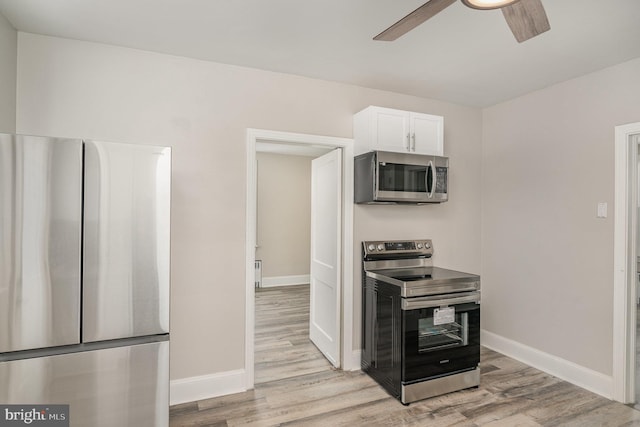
(295, 386)
(282, 346)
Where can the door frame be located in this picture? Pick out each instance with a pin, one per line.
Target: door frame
(346, 324)
(624, 262)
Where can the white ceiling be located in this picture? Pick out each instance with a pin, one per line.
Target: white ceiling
(462, 55)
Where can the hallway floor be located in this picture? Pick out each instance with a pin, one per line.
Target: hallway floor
(282, 346)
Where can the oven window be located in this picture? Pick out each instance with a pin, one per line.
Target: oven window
(399, 177)
(436, 337)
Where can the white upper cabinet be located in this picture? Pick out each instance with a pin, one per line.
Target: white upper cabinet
(426, 133)
(386, 129)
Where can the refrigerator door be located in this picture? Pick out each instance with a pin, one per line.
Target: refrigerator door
(40, 220)
(121, 386)
(126, 241)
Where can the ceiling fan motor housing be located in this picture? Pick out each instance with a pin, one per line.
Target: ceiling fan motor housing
(488, 4)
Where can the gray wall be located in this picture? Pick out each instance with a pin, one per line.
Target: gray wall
(284, 214)
(202, 109)
(8, 60)
(547, 261)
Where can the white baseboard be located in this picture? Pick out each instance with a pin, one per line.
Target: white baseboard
(576, 374)
(355, 365)
(270, 282)
(206, 386)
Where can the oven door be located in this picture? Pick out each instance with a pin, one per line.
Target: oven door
(441, 335)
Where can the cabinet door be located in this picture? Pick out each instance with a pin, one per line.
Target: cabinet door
(426, 134)
(391, 130)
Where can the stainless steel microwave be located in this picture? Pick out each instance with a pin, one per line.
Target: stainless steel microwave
(386, 177)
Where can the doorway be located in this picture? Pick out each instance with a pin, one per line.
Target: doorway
(344, 324)
(626, 250)
(283, 348)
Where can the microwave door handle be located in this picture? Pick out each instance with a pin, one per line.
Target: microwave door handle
(433, 179)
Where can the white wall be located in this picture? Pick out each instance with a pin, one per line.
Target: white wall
(8, 64)
(202, 109)
(284, 214)
(547, 261)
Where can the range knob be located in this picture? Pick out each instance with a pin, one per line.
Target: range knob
(427, 245)
(380, 247)
(419, 245)
(371, 247)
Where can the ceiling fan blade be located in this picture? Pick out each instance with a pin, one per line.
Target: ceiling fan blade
(526, 19)
(414, 19)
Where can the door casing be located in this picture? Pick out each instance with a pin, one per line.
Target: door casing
(624, 261)
(346, 325)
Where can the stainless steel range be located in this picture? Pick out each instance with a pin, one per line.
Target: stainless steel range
(421, 324)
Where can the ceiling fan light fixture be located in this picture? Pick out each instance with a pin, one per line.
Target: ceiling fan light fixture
(488, 4)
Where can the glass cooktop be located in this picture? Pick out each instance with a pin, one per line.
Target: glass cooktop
(416, 274)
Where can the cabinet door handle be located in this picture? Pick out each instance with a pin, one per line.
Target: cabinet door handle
(413, 142)
(408, 143)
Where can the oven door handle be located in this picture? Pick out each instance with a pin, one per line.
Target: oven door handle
(440, 301)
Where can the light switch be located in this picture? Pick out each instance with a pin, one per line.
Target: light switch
(602, 210)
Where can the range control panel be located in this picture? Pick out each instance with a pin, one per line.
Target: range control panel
(421, 247)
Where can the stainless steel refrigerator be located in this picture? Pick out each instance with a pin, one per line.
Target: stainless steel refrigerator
(84, 278)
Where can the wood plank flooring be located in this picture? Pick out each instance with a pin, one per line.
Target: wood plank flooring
(282, 346)
(295, 386)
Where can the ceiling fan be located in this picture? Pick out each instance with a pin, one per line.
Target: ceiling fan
(526, 18)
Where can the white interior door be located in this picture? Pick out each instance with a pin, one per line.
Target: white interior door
(326, 214)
